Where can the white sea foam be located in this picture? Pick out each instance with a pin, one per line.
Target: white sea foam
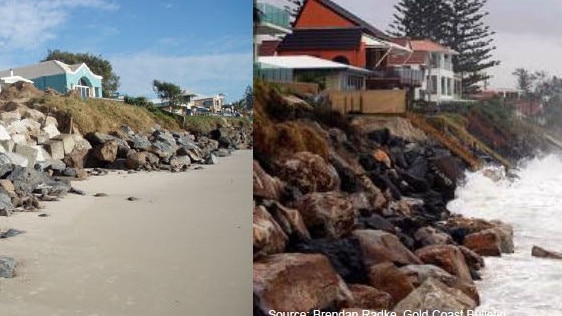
(519, 284)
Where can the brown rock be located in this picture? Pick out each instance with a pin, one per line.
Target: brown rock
(77, 158)
(473, 260)
(506, 236)
(268, 237)
(309, 172)
(470, 225)
(106, 152)
(447, 257)
(426, 236)
(294, 282)
(388, 278)
(484, 243)
(290, 221)
(381, 156)
(543, 253)
(419, 273)
(135, 160)
(433, 295)
(378, 246)
(266, 186)
(327, 214)
(367, 297)
(9, 187)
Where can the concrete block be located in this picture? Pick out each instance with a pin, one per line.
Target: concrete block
(55, 148)
(9, 117)
(28, 152)
(49, 120)
(68, 143)
(18, 159)
(42, 154)
(31, 125)
(51, 130)
(16, 127)
(4, 135)
(19, 139)
(8, 145)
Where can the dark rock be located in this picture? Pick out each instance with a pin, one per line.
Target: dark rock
(7, 267)
(377, 222)
(118, 164)
(344, 254)
(397, 155)
(221, 152)
(193, 152)
(101, 194)
(211, 159)
(418, 168)
(139, 142)
(6, 165)
(43, 215)
(165, 137)
(11, 233)
(25, 180)
(132, 198)
(76, 191)
(543, 253)
(162, 149)
(381, 136)
(78, 158)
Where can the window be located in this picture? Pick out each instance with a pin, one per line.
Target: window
(432, 85)
(449, 88)
(443, 87)
(354, 83)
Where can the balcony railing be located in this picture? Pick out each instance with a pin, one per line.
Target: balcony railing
(405, 76)
(274, 15)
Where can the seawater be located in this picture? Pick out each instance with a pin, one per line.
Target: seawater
(519, 284)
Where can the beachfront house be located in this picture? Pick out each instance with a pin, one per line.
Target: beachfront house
(213, 103)
(440, 83)
(61, 77)
(274, 24)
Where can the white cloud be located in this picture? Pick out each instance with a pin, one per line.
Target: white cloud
(28, 23)
(204, 74)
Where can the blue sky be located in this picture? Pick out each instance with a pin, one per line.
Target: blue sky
(202, 46)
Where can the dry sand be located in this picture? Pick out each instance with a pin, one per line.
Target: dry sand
(184, 248)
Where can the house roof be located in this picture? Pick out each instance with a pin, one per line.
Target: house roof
(46, 68)
(268, 48)
(322, 39)
(416, 58)
(14, 79)
(429, 46)
(306, 63)
(349, 16)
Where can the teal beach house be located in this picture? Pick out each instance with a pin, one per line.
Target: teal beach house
(61, 77)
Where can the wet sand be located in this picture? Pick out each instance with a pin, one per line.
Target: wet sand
(183, 248)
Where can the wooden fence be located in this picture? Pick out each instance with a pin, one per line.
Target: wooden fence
(298, 87)
(369, 101)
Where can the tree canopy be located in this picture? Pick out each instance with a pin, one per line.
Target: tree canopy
(167, 91)
(97, 64)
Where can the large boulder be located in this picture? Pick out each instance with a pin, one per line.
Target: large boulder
(344, 255)
(433, 295)
(265, 186)
(290, 221)
(26, 180)
(106, 152)
(180, 163)
(388, 278)
(428, 235)
(420, 273)
(379, 246)
(77, 158)
(268, 237)
(293, 282)
(139, 142)
(162, 149)
(367, 297)
(135, 160)
(484, 243)
(327, 214)
(447, 257)
(309, 172)
(543, 253)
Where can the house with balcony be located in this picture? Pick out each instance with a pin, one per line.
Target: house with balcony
(439, 82)
(325, 30)
(274, 24)
(213, 103)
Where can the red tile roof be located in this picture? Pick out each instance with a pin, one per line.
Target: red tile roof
(417, 58)
(428, 46)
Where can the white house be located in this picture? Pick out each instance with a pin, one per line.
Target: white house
(440, 83)
(213, 103)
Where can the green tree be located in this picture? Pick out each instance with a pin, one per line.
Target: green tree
(249, 98)
(168, 92)
(458, 24)
(97, 64)
(138, 101)
(420, 19)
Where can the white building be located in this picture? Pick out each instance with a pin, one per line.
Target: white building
(440, 83)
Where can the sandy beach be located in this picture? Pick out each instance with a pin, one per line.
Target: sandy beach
(183, 248)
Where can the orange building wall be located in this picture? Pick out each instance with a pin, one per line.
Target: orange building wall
(315, 14)
(356, 58)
